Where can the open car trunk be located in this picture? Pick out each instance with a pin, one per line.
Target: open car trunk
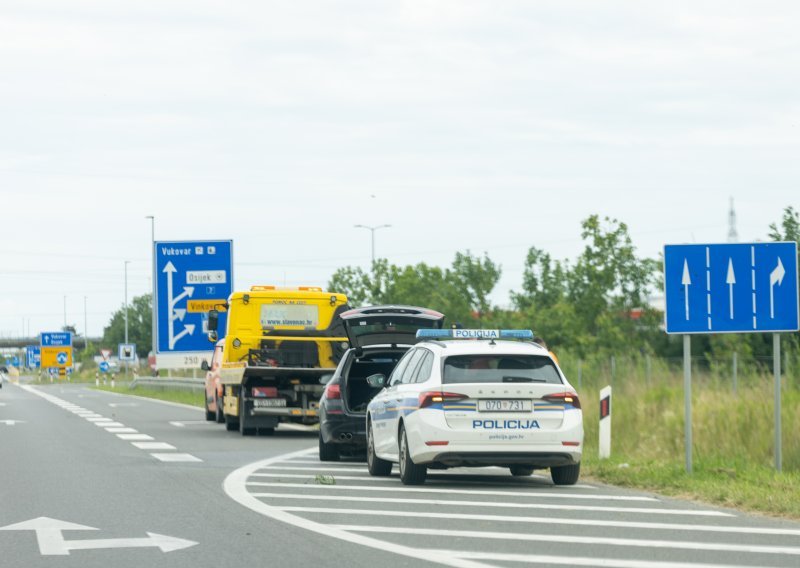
(388, 325)
(357, 392)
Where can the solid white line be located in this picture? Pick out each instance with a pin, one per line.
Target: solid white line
(122, 430)
(132, 437)
(572, 539)
(153, 445)
(603, 523)
(457, 503)
(580, 561)
(406, 489)
(235, 486)
(176, 457)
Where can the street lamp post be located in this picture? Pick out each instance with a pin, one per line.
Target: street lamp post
(372, 231)
(153, 278)
(127, 262)
(85, 327)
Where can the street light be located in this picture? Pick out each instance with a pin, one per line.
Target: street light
(372, 230)
(153, 278)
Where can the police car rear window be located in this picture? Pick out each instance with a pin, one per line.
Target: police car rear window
(460, 369)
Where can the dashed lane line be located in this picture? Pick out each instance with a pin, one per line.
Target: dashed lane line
(173, 457)
(603, 523)
(502, 505)
(581, 561)
(137, 437)
(235, 486)
(153, 446)
(122, 430)
(577, 539)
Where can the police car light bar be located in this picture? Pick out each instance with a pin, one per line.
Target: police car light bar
(474, 334)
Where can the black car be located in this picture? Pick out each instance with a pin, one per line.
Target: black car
(379, 336)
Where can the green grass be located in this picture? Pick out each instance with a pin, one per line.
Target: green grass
(181, 396)
(733, 442)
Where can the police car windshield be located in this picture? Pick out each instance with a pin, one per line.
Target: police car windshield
(460, 369)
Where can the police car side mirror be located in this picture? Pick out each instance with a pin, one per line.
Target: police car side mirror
(376, 381)
(204, 365)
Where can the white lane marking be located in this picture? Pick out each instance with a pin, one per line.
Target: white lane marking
(12, 422)
(325, 468)
(183, 423)
(3, 404)
(155, 400)
(122, 430)
(502, 505)
(406, 489)
(98, 419)
(580, 561)
(604, 523)
(574, 539)
(118, 404)
(176, 457)
(153, 445)
(235, 486)
(109, 424)
(132, 437)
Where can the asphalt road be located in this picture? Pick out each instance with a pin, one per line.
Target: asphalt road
(165, 488)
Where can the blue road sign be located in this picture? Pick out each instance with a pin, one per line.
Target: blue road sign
(56, 339)
(191, 277)
(731, 288)
(62, 358)
(104, 366)
(33, 357)
(15, 361)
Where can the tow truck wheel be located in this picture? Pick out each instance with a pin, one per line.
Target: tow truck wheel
(521, 470)
(230, 425)
(410, 473)
(375, 465)
(327, 452)
(565, 474)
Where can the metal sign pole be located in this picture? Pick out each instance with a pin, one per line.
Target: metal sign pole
(687, 398)
(776, 364)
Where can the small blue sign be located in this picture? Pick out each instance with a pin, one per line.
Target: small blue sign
(56, 339)
(190, 277)
(104, 366)
(15, 361)
(33, 357)
(731, 288)
(61, 357)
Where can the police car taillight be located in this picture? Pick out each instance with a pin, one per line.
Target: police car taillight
(435, 397)
(563, 398)
(333, 391)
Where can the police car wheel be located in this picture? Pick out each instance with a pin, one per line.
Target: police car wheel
(521, 470)
(410, 473)
(327, 452)
(565, 474)
(375, 465)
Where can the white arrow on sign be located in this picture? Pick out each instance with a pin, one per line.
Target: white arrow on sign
(775, 277)
(686, 281)
(52, 542)
(11, 422)
(188, 291)
(730, 281)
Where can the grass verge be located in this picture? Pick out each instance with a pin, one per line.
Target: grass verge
(183, 397)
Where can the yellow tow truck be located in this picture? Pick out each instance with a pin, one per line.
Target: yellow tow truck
(281, 346)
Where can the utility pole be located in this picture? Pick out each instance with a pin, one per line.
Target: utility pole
(372, 230)
(127, 262)
(65, 313)
(153, 278)
(85, 327)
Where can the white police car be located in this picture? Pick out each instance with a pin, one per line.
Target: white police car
(487, 401)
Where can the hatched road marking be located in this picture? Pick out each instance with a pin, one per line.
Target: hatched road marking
(593, 526)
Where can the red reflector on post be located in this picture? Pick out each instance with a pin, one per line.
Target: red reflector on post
(437, 443)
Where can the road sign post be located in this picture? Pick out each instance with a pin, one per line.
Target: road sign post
(731, 288)
(56, 350)
(191, 278)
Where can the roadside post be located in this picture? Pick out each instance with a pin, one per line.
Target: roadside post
(605, 423)
(731, 288)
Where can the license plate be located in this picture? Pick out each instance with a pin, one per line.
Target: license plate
(505, 405)
(269, 402)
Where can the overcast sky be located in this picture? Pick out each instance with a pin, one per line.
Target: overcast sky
(490, 126)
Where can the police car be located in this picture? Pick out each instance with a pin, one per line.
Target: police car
(475, 398)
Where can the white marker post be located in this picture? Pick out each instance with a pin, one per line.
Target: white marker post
(605, 423)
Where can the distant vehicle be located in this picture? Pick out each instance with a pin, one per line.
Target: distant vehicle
(281, 343)
(485, 402)
(379, 336)
(213, 386)
(3, 373)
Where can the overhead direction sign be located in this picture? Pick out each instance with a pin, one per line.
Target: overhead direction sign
(731, 288)
(190, 276)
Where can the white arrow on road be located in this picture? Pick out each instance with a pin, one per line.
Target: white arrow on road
(52, 542)
(171, 302)
(730, 281)
(775, 277)
(11, 422)
(686, 281)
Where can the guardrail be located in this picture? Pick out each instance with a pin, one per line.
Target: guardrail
(194, 385)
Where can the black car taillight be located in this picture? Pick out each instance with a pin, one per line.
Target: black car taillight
(333, 392)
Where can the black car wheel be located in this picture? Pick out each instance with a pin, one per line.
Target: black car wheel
(565, 474)
(375, 465)
(410, 473)
(327, 452)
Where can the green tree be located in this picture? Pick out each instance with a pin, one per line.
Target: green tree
(140, 331)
